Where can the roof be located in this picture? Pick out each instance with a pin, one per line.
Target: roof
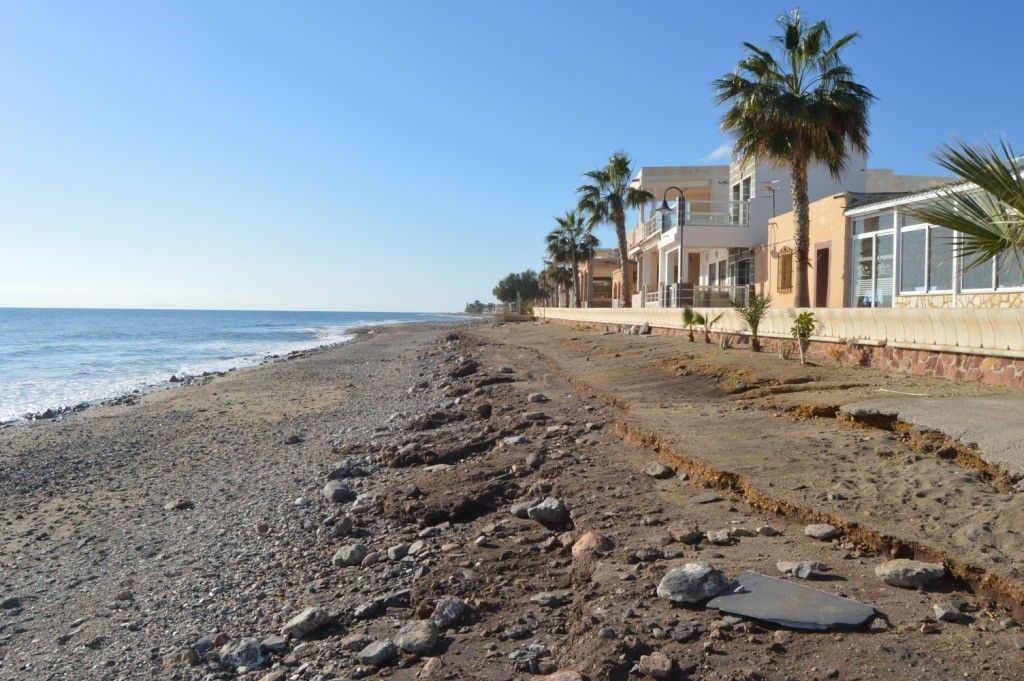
(904, 198)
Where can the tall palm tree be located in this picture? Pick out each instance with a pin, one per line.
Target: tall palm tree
(795, 105)
(606, 200)
(989, 214)
(570, 242)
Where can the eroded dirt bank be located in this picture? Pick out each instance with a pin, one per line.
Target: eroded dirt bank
(177, 538)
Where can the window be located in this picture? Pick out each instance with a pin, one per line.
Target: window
(976, 277)
(744, 269)
(912, 260)
(864, 272)
(874, 223)
(1010, 270)
(785, 271)
(712, 274)
(940, 259)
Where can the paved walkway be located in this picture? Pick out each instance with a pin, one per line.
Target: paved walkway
(992, 423)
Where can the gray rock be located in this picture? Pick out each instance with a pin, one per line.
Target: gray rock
(349, 468)
(353, 554)
(244, 653)
(822, 531)
(692, 583)
(791, 605)
(950, 612)
(338, 492)
(720, 537)
(707, 499)
(658, 470)
(306, 621)
(274, 643)
(368, 610)
(520, 508)
(909, 574)
(551, 599)
(537, 397)
(513, 440)
(551, 510)
(418, 637)
(398, 552)
(804, 569)
(377, 653)
(448, 611)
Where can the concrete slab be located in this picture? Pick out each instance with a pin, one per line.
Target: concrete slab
(992, 423)
(791, 605)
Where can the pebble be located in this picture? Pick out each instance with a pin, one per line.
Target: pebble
(822, 531)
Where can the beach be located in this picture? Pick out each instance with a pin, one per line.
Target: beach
(492, 501)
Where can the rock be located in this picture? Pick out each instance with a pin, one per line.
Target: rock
(377, 653)
(707, 499)
(551, 510)
(692, 583)
(657, 665)
(822, 531)
(791, 605)
(606, 633)
(950, 612)
(448, 611)
(293, 440)
(684, 534)
(658, 470)
(513, 440)
(355, 642)
(349, 468)
(338, 492)
(398, 552)
(418, 637)
(178, 505)
(560, 676)
(521, 508)
(368, 610)
(483, 411)
(591, 543)
(398, 599)
(275, 675)
(909, 574)
(551, 599)
(430, 667)
(720, 537)
(537, 397)
(244, 653)
(686, 631)
(767, 531)
(274, 643)
(353, 554)
(186, 657)
(803, 569)
(306, 621)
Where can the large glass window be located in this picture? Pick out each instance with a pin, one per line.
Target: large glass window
(1010, 270)
(874, 223)
(940, 259)
(912, 259)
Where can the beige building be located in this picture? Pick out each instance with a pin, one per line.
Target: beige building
(596, 276)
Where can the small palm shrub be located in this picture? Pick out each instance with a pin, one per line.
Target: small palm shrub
(803, 329)
(709, 322)
(752, 312)
(691, 318)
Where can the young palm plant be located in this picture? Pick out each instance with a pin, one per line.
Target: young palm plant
(691, 318)
(795, 105)
(990, 214)
(708, 322)
(606, 199)
(752, 312)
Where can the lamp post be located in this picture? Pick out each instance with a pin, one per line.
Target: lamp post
(682, 204)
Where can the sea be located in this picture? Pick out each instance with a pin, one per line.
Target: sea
(60, 358)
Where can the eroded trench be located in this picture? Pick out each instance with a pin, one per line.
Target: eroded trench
(963, 576)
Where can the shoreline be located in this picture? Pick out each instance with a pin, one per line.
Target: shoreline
(50, 414)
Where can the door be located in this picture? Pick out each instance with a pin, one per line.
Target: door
(692, 268)
(821, 277)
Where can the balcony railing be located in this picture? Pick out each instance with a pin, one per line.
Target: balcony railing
(690, 295)
(704, 213)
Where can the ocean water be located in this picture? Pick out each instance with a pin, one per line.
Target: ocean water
(51, 358)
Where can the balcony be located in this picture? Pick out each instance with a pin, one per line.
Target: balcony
(690, 295)
(695, 214)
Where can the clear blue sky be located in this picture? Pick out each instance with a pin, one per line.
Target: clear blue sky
(397, 156)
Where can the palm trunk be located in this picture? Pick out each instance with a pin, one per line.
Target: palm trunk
(801, 212)
(627, 281)
(575, 281)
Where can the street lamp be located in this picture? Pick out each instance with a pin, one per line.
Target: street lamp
(664, 203)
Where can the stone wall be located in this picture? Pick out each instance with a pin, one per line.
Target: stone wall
(983, 345)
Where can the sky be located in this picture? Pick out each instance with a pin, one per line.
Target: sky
(399, 156)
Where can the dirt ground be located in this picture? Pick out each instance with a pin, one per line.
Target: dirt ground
(445, 437)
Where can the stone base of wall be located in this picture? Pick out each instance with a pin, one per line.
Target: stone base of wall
(997, 371)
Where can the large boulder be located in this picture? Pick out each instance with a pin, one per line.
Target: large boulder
(909, 574)
(377, 653)
(692, 583)
(353, 554)
(338, 492)
(246, 653)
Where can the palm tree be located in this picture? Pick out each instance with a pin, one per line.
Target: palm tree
(989, 214)
(606, 200)
(570, 242)
(797, 105)
(555, 277)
